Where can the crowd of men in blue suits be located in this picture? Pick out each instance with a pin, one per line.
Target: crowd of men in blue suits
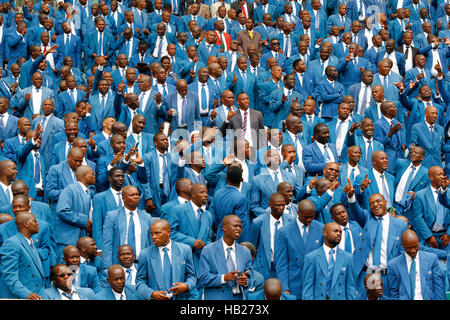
(224, 150)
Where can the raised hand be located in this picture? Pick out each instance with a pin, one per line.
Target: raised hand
(354, 126)
(158, 98)
(400, 85)
(120, 87)
(365, 183)
(393, 129)
(313, 182)
(214, 112)
(349, 190)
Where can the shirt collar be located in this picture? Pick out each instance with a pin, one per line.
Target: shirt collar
(225, 246)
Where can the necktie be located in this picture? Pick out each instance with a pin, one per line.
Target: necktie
(275, 178)
(330, 269)
(129, 280)
(348, 240)
(102, 103)
(183, 110)
(199, 218)
(222, 41)
(316, 23)
(377, 246)
(364, 101)
(385, 82)
(37, 90)
(68, 149)
(338, 129)
(309, 120)
(2, 126)
(352, 175)
(275, 234)
(244, 125)
(131, 236)
(440, 214)
(369, 154)
(305, 234)
(204, 105)
(385, 191)
(412, 277)
(244, 78)
(68, 296)
(100, 45)
(432, 131)
(167, 269)
(230, 264)
(217, 85)
(71, 96)
(354, 38)
(208, 157)
(286, 46)
(139, 144)
(195, 18)
(407, 52)
(160, 47)
(325, 153)
(119, 202)
(409, 180)
(166, 182)
(37, 168)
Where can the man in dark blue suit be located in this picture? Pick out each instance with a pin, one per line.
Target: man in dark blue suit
(8, 122)
(10, 145)
(16, 46)
(397, 58)
(318, 153)
(330, 93)
(117, 289)
(22, 273)
(264, 234)
(166, 270)
(224, 265)
(350, 69)
(294, 241)
(98, 43)
(68, 45)
(415, 275)
(381, 246)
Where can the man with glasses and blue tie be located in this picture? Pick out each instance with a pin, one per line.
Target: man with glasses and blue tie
(63, 288)
(166, 270)
(383, 233)
(329, 269)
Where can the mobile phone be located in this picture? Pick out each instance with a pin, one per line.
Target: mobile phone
(240, 274)
(135, 146)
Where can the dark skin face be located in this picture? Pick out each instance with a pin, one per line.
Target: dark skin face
(306, 212)
(331, 171)
(277, 205)
(232, 229)
(116, 279)
(117, 180)
(340, 215)
(72, 257)
(377, 205)
(322, 135)
(160, 234)
(131, 198)
(125, 256)
(380, 161)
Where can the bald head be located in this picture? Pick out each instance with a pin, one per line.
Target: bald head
(272, 289)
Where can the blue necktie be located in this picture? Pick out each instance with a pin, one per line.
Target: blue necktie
(305, 234)
(377, 246)
(160, 47)
(440, 213)
(275, 234)
(364, 101)
(128, 48)
(369, 155)
(1, 122)
(68, 296)
(167, 270)
(412, 277)
(330, 270)
(244, 78)
(68, 149)
(166, 182)
(230, 264)
(338, 129)
(199, 218)
(120, 203)
(348, 240)
(204, 105)
(129, 280)
(23, 141)
(131, 236)
(217, 85)
(100, 45)
(384, 191)
(275, 179)
(184, 110)
(409, 180)
(325, 154)
(37, 168)
(385, 81)
(352, 175)
(164, 90)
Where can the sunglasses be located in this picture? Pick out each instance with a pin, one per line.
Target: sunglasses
(62, 275)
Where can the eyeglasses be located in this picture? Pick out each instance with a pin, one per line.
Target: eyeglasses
(275, 43)
(62, 275)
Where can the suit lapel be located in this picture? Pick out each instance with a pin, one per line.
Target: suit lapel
(323, 263)
(34, 257)
(404, 274)
(265, 234)
(337, 266)
(220, 257)
(192, 218)
(156, 266)
(122, 224)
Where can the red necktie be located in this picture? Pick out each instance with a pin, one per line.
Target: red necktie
(244, 11)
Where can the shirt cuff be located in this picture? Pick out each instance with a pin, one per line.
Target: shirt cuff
(352, 199)
(308, 189)
(100, 68)
(88, 115)
(109, 167)
(141, 164)
(222, 279)
(181, 162)
(331, 193)
(33, 141)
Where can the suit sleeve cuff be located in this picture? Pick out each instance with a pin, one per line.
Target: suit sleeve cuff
(352, 199)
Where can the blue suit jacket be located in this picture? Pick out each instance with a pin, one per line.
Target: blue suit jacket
(72, 214)
(91, 45)
(417, 115)
(213, 265)
(330, 96)
(290, 252)
(313, 159)
(363, 198)
(431, 278)
(16, 47)
(193, 109)
(393, 145)
(419, 181)
(433, 144)
(280, 110)
(150, 277)
(84, 293)
(65, 104)
(343, 173)
(107, 294)
(97, 113)
(105, 202)
(25, 167)
(265, 90)
(358, 140)
(72, 49)
(343, 284)
(335, 20)
(444, 55)
(350, 73)
(10, 129)
(22, 271)
(398, 56)
(185, 228)
(411, 75)
(315, 67)
(229, 200)
(115, 232)
(260, 237)
(25, 107)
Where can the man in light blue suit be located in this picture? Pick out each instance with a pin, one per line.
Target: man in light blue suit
(68, 45)
(116, 287)
(294, 241)
(413, 267)
(26, 102)
(69, 99)
(184, 20)
(63, 289)
(22, 272)
(390, 53)
(369, 258)
(137, 135)
(318, 153)
(273, 53)
(264, 234)
(98, 43)
(207, 92)
(377, 180)
(350, 69)
(419, 73)
(191, 223)
(330, 92)
(16, 45)
(102, 103)
(8, 122)
(9, 146)
(166, 270)
(430, 136)
(72, 211)
(272, 291)
(389, 132)
(225, 264)
(329, 269)
(433, 46)
(339, 19)
(431, 217)
(148, 104)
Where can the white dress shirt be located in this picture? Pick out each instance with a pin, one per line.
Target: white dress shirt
(418, 289)
(248, 132)
(299, 149)
(330, 154)
(344, 239)
(233, 257)
(272, 234)
(161, 165)
(384, 239)
(400, 191)
(132, 274)
(115, 194)
(300, 226)
(380, 181)
(392, 57)
(137, 230)
(169, 253)
(144, 98)
(38, 185)
(244, 169)
(36, 98)
(350, 168)
(164, 46)
(272, 174)
(74, 293)
(7, 189)
(327, 250)
(342, 134)
(118, 295)
(361, 97)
